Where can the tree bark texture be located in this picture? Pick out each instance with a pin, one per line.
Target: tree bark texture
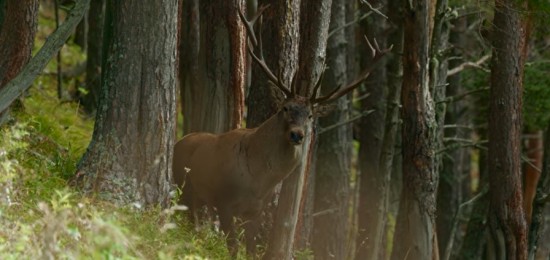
(373, 183)
(17, 37)
(281, 238)
(96, 17)
(506, 214)
(130, 155)
(314, 24)
(331, 217)
(213, 89)
(415, 235)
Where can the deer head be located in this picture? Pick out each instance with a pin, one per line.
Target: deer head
(297, 108)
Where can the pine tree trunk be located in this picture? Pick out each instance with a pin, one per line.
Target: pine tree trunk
(17, 37)
(129, 158)
(506, 214)
(415, 234)
(314, 24)
(18, 23)
(213, 88)
(331, 222)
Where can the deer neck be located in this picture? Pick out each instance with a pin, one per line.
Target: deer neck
(270, 155)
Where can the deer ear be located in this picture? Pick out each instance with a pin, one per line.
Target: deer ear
(323, 110)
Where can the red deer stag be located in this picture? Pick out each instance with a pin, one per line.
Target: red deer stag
(234, 172)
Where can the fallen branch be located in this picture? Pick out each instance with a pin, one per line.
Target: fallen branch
(55, 41)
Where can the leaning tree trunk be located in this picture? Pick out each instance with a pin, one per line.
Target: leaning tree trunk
(213, 85)
(96, 17)
(18, 22)
(373, 183)
(415, 236)
(129, 157)
(507, 217)
(331, 223)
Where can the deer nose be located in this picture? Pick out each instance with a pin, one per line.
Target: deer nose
(296, 137)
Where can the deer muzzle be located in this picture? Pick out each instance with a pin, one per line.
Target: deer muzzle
(296, 136)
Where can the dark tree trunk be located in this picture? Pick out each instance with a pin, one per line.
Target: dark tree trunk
(540, 220)
(281, 238)
(314, 24)
(81, 31)
(96, 17)
(189, 61)
(213, 85)
(280, 52)
(130, 154)
(415, 236)
(507, 218)
(373, 183)
(390, 154)
(17, 29)
(455, 163)
(17, 37)
(438, 80)
(331, 221)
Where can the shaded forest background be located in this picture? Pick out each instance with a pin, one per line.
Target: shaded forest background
(438, 154)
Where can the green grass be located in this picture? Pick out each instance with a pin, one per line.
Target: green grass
(42, 215)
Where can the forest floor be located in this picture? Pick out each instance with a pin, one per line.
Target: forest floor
(43, 216)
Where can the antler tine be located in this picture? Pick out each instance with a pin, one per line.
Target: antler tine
(318, 85)
(250, 24)
(338, 92)
(260, 60)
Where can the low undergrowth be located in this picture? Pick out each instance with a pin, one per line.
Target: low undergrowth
(41, 216)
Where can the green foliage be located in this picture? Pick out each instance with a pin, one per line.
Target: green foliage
(536, 100)
(41, 216)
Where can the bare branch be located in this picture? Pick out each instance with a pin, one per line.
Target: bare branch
(376, 10)
(469, 64)
(345, 122)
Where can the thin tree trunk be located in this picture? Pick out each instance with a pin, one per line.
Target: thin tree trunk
(415, 236)
(373, 183)
(532, 172)
(455, 166)
(130, 155)
(540, 220)
(390, 155)
(506, 213)
(330, 217)
(96, 17)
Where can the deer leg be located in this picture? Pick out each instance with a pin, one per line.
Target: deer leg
(228, 228)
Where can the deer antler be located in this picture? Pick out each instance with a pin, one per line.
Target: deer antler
(260, 60)
(377, 54)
